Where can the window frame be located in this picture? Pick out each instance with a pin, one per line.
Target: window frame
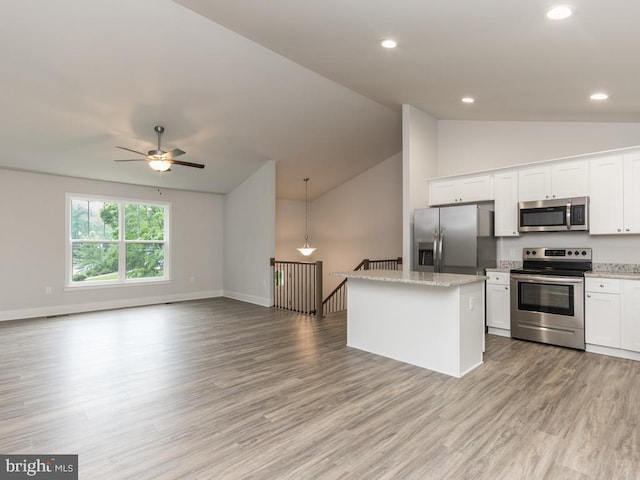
(122, 243)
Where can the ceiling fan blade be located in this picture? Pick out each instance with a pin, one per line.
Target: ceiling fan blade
(134, 151)
(176, 152)
(132, 160)
(187, 164)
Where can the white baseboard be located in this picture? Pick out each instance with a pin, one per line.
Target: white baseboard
(613, 352)
(107, 305)
(500, 332)
(263, 302)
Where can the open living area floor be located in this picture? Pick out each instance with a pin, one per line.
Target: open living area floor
(220, 389)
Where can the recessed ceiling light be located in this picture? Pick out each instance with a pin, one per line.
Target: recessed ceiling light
(560, 12)
(599, 96)
(388, 43)
(468, 99)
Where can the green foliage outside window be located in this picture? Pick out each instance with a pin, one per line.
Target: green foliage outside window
(97, 246)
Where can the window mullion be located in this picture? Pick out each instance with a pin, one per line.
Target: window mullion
(122, 251)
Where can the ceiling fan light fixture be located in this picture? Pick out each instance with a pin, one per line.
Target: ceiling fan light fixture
(599, 96)
(160, 165)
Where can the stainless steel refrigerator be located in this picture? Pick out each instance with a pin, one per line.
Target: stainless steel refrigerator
(456, 239)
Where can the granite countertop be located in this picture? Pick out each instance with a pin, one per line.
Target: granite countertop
(499, 269)
(414, 278)
(612, 274)
(629, 271)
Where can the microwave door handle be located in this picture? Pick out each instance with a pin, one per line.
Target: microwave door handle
(568, 215)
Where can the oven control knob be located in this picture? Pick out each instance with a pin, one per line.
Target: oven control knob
(528, 252)
(584, 252)
(533, 253)
(569, 252)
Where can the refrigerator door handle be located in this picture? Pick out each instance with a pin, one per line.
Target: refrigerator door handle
(435, 250)
(440, 247)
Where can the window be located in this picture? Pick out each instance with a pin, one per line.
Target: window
(116, 241)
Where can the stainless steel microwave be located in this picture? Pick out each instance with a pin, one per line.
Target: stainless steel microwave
(555, 215)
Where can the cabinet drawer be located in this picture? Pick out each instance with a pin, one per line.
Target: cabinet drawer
(603, 285)
(500, 278)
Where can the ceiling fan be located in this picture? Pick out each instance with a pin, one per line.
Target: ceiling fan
(160, 160)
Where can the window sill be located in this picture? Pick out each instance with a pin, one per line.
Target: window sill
(131, 283)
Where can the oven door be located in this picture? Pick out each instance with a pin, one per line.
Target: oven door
(547, 308)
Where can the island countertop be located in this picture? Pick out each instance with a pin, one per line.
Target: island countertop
(414, 278)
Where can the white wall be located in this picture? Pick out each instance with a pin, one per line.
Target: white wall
(32, 246)
(290, 230)
(470, 146)
(361, 218)
(419, 163)
(249, 237)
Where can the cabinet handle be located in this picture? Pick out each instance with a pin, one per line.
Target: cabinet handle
(601, 285)
(588, 295)
(553, 196)
(514, 233)
(506, 288)
(619, 229)
(627, 229)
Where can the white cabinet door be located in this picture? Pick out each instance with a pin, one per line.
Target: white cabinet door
(534, 183)
(606, 213)
(631, 315)
(462, 190)
(475, 189)
(505, 190)
(570, 179)
(632, 193)
(443, 192)
(602, 319)
(498, 306)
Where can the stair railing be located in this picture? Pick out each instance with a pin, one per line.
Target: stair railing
(336, 301)
(297, 286)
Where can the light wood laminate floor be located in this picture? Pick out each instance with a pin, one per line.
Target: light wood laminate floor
(220, 389)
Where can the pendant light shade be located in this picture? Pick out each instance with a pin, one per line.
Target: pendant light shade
(306, 249)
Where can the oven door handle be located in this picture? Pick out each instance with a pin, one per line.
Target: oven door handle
(546, 279)
(568, 215)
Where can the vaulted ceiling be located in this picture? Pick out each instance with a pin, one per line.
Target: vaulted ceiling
(237, 83)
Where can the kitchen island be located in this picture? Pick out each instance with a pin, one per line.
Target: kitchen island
(432, 320)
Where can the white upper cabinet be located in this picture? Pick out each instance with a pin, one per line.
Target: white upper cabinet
(615, 194)
(505, 192)
(632, 193)
(559, 180)
(460, 190)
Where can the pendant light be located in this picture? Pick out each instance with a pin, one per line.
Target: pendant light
(306, 250)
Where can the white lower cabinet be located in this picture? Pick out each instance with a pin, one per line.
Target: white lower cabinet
(612, 317)
(499, 303)
(631, 315)
(603, 312)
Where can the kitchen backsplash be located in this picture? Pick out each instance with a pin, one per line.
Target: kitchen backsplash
(610, 252)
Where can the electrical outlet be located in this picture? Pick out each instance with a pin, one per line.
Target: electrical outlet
(48, 290)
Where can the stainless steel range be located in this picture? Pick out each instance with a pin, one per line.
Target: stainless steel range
(547, 296)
